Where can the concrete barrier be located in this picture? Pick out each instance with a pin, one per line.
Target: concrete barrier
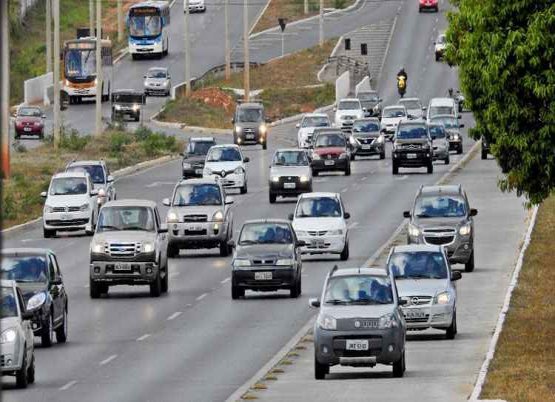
(342, 86)
(36, 90)
(363, 85)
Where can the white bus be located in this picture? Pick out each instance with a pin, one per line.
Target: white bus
(148, 23)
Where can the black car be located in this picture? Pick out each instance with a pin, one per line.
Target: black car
(331, 153)
(194, 156)
(371, 103)
(38, 275)
(412, 147)
(267, 257)
(368, 138)
(250, 125)
(127, 103)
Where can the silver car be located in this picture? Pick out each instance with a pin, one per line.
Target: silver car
(440, 142)
(425, 281)
(290, 174)
(413, 106)
(157, 81)
(16, 336)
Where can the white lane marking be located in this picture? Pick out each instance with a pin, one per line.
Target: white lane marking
(344, 190)
(68, 385)
(322, 180)
(27, 240)
(143, 337)
(108, 360)
(202, 296)
(403, 177)
(352, 225)
(174, 274)
(174, 315)
(363, 178)
(86, 286)
(225, 280)
(189, 305)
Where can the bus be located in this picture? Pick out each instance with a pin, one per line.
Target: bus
(148, 24)
(79, 69)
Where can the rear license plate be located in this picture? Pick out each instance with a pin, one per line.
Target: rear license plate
(411, 156)
(195, 228)
(263, 276)
(26, 128)
(122, 267)
(356, 344)
(329, 163)
(198, 171)
(414, 313)
(366, 146)
(249, 136)
(289, 185)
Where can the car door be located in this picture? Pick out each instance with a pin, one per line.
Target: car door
(54, 290)
(61, 287)
(26, 326)
(161, 239)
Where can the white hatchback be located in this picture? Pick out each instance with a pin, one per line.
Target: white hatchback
(391, 117)
(306, 127)
(227, 163)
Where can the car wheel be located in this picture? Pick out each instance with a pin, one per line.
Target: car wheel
(134, 56)
(447, 160)
(165, 281)
(294, 292)
(236, 292)
(224, 249)
(48, 233)
(469, 266)
(345, 253)
(61, 331)
(272, 198)
(31, 371)
(452, 330)
(244, 189)
(21, 376)
(430, 167)
(399, 367)
(484, 155)
(382, 155)
(460, 149)
(315, 173)
(320, 370)
(47, 334)
(437, 57)
(173, 251)
(265, 145)
(94, 289)
(156, 287)
(348, 170)
(395, 168)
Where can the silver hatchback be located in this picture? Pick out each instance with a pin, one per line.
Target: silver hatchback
(157, 81)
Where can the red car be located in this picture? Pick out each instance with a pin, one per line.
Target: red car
(428, 5)
(29, 120)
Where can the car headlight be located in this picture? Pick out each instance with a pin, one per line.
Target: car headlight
(38, 123)
(67, 83)
(455, 137)
(241, 263)
(262, 129)
(117, 107)
(327, 322)
(238, 129)
(136, 107)
(36, 301)
(166, 83)
(147, 247)
(96, 81)
(84, 207)
(414, 231)
(381, 139)
(336, 232)
(207, 171)
(315, 157)
(8, 336)
(343, 155)
(301, 233)
(186, 165)
(352, 140)
(218, 216)
(388, 321)
(48, 209)
(239, 170)
(465, 229)
(145, 83)
(443, 298)
(172, 217)
(304, 179)
(275, 179)
(285, 262)
(97, 248)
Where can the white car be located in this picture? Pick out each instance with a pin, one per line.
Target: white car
(439, 46)
(414, 107)
(102, 180)
(442, 106)
(227, 163)
(71, 204)
(306, 127)
(195, 6)
(320, 221)
(391, 117)
(347, 111)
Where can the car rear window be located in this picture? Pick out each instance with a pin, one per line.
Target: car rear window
(266, 233)
(197, 195)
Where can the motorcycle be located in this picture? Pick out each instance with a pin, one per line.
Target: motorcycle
(458, 97)
(401, 85)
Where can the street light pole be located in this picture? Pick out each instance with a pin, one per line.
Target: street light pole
(321, 23)
(227, 49)
(5, 88)
(187, 51)
(48, 36)
(306, 6)
(120, 21)
(99, 77)
(91, 18)
(56, 75)
(246, 68)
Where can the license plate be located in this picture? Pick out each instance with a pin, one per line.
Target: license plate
(411, 156)
(66, 217)
(26, 128)
(263, 276)
(366, 146)
(249, 136)
(198, 171)
(122, 267)
(355, 344)
(329, 163)
(414, 313)
(195, 228)
(317, 243)
(289, 185)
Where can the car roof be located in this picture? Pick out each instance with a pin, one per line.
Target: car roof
(158, 68)
(368, 91)
(29, 107)
(408, 248)
(85, 163)
(319, 195)
(200, 139)
(437, 190)
(315, 115)
(130, 203)
(271, 220)
(375, 119)
(25, 251)
(442, 101)
(349, 100)
(443, 116)
(251, 105)
(289, 150)
(226, 146)
(127, 91)
(415, 122)
(200, 180)
(359, 271)
(70, 175)
(409, 99)
(395, 107)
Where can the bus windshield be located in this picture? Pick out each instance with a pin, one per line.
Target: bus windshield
(80, 63)
(144, 23)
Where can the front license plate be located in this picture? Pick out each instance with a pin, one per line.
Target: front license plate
(198, 171)
(195, 228)
(366, 146)
(26, 128)
(317, 243)
(289, 185)
(263, 276)
(66, 217)
(329, 163)
(411, 156)
(414, 313)
(356, 344)
(249, 136)
(122, 267)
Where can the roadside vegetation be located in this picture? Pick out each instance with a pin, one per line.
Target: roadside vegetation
(290, 86)
(523, 368)
(32, 170)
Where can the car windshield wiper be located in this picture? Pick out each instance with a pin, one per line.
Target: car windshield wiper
(108, 227)
(336, 301)
(365, 301)
(421, 276)
(243, 242)
(424, 216)
(134, 228)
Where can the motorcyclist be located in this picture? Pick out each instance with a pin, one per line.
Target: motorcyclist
(402, 73)
(402, 81)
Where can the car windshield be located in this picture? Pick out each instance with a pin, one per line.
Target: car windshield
(329, 140)
(9, 303)
(366, 126)
(411, 104)
(266, 233)
(440, 206)
(157, 74)
(441, 39)
(349, 105)
(418, 265)
(319, 207)
(68, 186)
(396, 112)
(224, 155)
(316, 121)
(197, 194)
(436, 131)
(29, 112)
(290, 158)
(435, 110)
(199, 147)
(125, 218)
(368, 96)
(447, 121)
(249, 115)
(412, 132)
(127, 98)
(359, 289)
(95, 171)
(24, 268)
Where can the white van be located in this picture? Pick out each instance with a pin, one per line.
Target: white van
(443, 106)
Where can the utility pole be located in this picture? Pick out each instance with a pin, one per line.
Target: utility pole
(5, 88)
(306, 6)
(48, 36)
(91, 18)
(246, 68)
(56, 75)
(321, 23)
(120, 21)
(99, 78)
(187, 51)
(227, 49)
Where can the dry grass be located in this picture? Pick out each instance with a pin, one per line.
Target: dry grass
(195, 112)
(523, 368)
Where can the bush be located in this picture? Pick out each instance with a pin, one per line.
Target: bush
(73, 141)
(116, 142)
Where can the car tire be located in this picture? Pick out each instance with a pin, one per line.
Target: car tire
(134, 56)
(353, 156)
(47, 333)
(244, 189)
(345, 253)
(94, 289)
(399, 367)
(156, 287)
(395, 168)
(382, 155)
(48, 233)
(31, 371)
(437, 57)
(61, 331)
(272, 198)
(348, 170)
(295, 292)
(484, 155)
(430, 167)
(320, 370)
(173, 251)
(22, 375)
(447, 160)
(469, 266)
(224, 249)
(166, 281)
(265, 146)
(315, 173)
(236, 292)
(452, 330)
(460, 149)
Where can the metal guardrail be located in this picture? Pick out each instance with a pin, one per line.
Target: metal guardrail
(346, 62)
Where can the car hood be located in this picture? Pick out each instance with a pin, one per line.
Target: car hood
(28, 119)
(9, 322)
(29, 289)
(391, 120)
(249, 124)
(421, 287)
(369, 104)
(131, 236)
(349, 112)
(265, 251)
(416, 113)
(67, 200)
(357, 311)
(194, 158)
(209, 210)
(449, 223)
(318, 224)
(330, 150)
(290, 171)
(421, 141)
(219, 166)
(372, 134)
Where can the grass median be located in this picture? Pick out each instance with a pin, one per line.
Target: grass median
(33, 169)
(523, 368)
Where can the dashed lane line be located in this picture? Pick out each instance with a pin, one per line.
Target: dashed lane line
(68, 385)
(202, 296)
(143, 337)
(174, 315)
(108, 360)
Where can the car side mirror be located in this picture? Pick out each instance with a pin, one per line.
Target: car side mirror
(44, 116)
(423, 117)
(461, 125)
(300, 243)
(347, 215)
(144, 76)
(166, 202)
(43, 194)
(423, 107)
(434, 137)
(169, 77)
(314, 303)
(27, 315)
(56, 281)
(110, 179)
(298, 125)
(406, 214)
(402, 302)
(335, 109)
(94, 192)
(456, 275)
(231, 243)
(290, 217)
(229, 200)
(473, 212)
(246, 159)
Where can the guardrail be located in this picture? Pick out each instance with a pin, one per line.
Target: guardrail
(346, 62)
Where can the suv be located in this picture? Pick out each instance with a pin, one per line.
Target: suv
(360, 323)
(129, 248)
(424, 279)
(306, 128)
(194, 156)
(367, 138)
(412, 147)
(290, 174)
(38, 276)
(249, 125)
(17, 347)
(441, 215)
(227, 163)
(127, 103)
(442, 106)
(414, 107)
(102, 180)
(157, 81)
(200, 216)
(346, 112)
(371, 103)
(71, 204)
(452, 129)
(331, 153)
(266, 258)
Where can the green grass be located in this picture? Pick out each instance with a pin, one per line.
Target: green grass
(196, 113)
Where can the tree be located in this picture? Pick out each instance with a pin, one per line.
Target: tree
(505, 51)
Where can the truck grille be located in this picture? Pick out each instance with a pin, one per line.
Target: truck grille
(416, 320)
(439, 237)
(411, 146)
(122, 249)
(248, 130)
(195, 218)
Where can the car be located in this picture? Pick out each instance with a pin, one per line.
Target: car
(442, 106)
(428, 5)
(157, 81)
(485, 148)
(360, 323)
(441, 216)
(320, 220)
(16, 340)
(40, 280)
(331, 153)
(368, 138)
(346, 112)
(194, 156)
(102, 180)
(439, 46)
(308, 124)
(200, 216)
(228, 164)
(424, 279)
(452, 129)
(266, 258)
(290, 174)
(440, 142)
(127, 103)
(197, 6)
(412, 147)
(391, 117)
(29, 120)
(70, 204)
(413, 106)
(129, 247)
(371, 103)
(249, 125)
